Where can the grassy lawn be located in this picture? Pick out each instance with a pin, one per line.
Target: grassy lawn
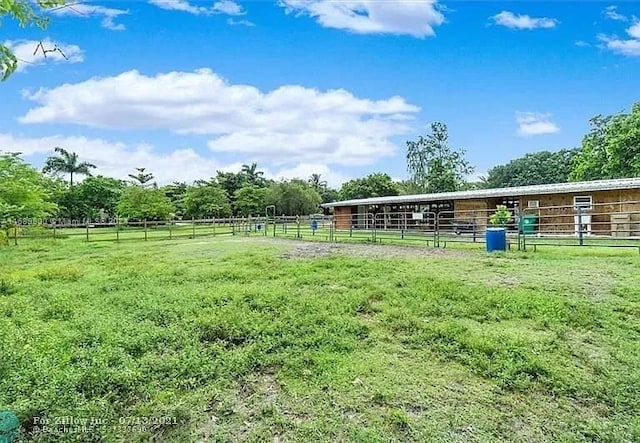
(231, 339)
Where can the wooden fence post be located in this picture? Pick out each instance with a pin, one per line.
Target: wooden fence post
(117, 229)
(193, 227)
(87, 227)
(145, 229)
(170, 234)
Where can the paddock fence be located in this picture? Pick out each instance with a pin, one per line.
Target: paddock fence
(607, 225)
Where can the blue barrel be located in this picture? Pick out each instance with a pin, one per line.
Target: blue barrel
(496, 239)
(314, 225)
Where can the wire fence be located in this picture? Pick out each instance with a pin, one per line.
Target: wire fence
(610, 225)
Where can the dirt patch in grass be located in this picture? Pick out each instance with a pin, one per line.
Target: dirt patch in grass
(245, 412)
(302, 249)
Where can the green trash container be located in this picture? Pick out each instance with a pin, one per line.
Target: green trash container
(528, 223)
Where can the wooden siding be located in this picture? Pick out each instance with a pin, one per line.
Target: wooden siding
(343, 217)
(470, 209)
(561, 219)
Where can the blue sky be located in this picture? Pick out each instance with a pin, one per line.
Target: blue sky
(301, 86)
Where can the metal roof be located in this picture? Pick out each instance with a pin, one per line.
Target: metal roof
(516, 191)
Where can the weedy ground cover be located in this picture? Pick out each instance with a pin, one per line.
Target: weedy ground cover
(251, 339)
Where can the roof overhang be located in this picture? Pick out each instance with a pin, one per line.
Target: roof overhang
(516, 191)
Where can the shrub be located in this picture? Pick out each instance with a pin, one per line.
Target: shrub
(501, 217)
(4, 239)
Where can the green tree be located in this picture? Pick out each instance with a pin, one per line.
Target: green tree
(176, 192)
(141, 203)
(229, 181)
(251, 175)
(202, 201)
(434, 166)
(142, 178)
(329, 195)
(373, 185)
(294, 197)
(24, 192)
(67, 163)
(538, 168)
(317, 183)
(611, 149)
(250, 200)
(99, 195)
(407, 187)
(24, 13)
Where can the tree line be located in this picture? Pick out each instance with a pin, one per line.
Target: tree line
(28, 193)
(611, 149)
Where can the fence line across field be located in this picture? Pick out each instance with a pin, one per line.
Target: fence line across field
(595, 225)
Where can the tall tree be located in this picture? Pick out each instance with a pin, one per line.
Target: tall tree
(229, 181)
(317, 183)
(142, 178)
(250, 200)
(293, 197)
(329, 195)
(407, 187)
(538, 168)
(611, 149)
(91, 198)
(24, 13)
(67, 163)
(434, 166)
(252, 175)
(176, 192)
(141, 203)
(373, 185)
(24, 192)
(206, 201)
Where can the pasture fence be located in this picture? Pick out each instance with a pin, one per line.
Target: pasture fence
(610, 225)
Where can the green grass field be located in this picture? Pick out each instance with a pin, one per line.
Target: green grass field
(254, 339)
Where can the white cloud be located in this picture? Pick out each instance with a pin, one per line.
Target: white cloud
(304, 170)
(233, 22)
(513, 21)
(87, 10)
(180, 5)
(408, 17)
(25, 51)
(287, 125)
(535, 123)
(611, 12)
(227, 7)
(629, 47)
(116, 159)
(634, 30)
(581, 43)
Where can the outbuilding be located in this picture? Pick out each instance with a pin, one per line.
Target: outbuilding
(600, 205)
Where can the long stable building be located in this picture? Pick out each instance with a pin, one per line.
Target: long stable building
(604, 199)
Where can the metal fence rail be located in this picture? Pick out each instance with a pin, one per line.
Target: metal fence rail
(611, 225)
(596, 225)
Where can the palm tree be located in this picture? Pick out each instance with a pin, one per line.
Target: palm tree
(67, 163)
(317, 183)
(141, 178)
(253, 175)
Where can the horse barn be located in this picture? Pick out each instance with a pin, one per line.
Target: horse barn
(601, 207)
